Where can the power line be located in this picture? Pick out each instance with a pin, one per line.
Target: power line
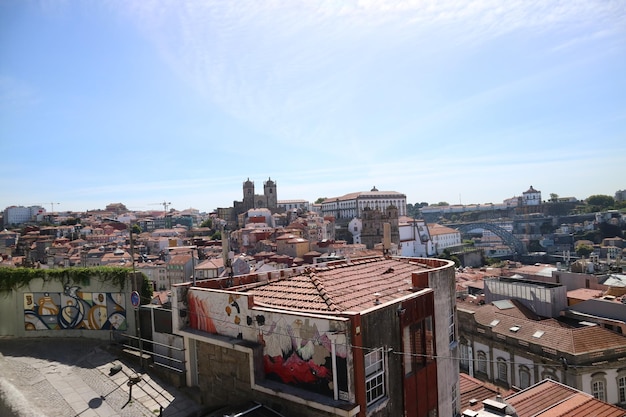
(561, 362)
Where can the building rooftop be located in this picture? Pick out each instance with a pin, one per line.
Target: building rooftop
(552, 399)
(354, 286)
(436, 229)
(515, 321)
(542, 270)
(473, 392)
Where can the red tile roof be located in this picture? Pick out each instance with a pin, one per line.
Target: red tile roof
(553, 399)
(346, 287)
(473, 389)
(556, 335)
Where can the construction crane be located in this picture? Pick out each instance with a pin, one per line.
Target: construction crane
(165, 205)
(51, 206)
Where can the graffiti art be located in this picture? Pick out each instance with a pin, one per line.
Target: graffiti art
(74, 309)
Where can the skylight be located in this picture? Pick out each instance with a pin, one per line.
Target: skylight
(538, 334)
(514, 329)
(494, 323)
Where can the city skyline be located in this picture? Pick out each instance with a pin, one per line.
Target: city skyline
(149, 101)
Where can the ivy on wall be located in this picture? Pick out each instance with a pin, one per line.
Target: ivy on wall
(14, 278)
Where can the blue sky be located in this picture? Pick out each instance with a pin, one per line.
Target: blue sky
(147, 101)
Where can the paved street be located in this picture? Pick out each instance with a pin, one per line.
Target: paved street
(47, 377)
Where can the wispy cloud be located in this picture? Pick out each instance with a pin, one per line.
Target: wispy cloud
(292, 68)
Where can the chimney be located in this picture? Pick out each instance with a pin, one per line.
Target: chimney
(386, 238)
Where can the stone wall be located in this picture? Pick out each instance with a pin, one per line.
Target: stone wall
(223, 375)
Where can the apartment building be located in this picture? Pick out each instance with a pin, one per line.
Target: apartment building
(15, 215)
(367, 337)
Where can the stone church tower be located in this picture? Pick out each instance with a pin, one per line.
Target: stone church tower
(269, 198)
(373, 226)
(269, 191)
(248, 195)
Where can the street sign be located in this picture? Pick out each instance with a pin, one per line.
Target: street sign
(135, 299)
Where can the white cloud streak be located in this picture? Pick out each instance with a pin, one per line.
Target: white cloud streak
(286, 67)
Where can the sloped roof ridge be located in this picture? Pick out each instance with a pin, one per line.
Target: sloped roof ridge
(319, 286)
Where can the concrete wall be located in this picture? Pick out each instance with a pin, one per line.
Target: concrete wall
(47, 308)
(547, 301)
(442, 281)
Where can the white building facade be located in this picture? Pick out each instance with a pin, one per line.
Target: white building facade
(415, 240)
(21, 214)
(531, 197)
(352, 205)
(444, 237)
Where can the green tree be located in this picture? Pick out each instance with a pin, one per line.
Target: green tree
(320, 200)
(599, 202)
(583, 249)
(135, 229)
(442, 203)
(216, 236)
(146, 290)
(207, 223)
(448, 255)
(554, 197)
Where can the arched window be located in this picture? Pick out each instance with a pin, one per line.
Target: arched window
(524, 377)
(464, 355)
(503, 374)
(597, 389)
(598, 385)
(481, 359)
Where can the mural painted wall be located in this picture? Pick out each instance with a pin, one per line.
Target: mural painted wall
(298, 350)
(74, 309)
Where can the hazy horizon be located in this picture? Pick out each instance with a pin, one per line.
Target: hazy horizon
(146, 101)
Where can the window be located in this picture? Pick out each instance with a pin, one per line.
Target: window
(481, 358)
(454, 395)
(597, 389)
(524, 377)
(374, 376)
(451, 327)
(422, 339)
(464, 355)
(621, 389)
(502, 370)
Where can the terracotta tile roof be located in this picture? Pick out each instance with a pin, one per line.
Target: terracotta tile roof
(214, 263)
(340, 288)
(553, 334)
(180, 259)
(436, 229)
(473, 389)
(552, 399)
